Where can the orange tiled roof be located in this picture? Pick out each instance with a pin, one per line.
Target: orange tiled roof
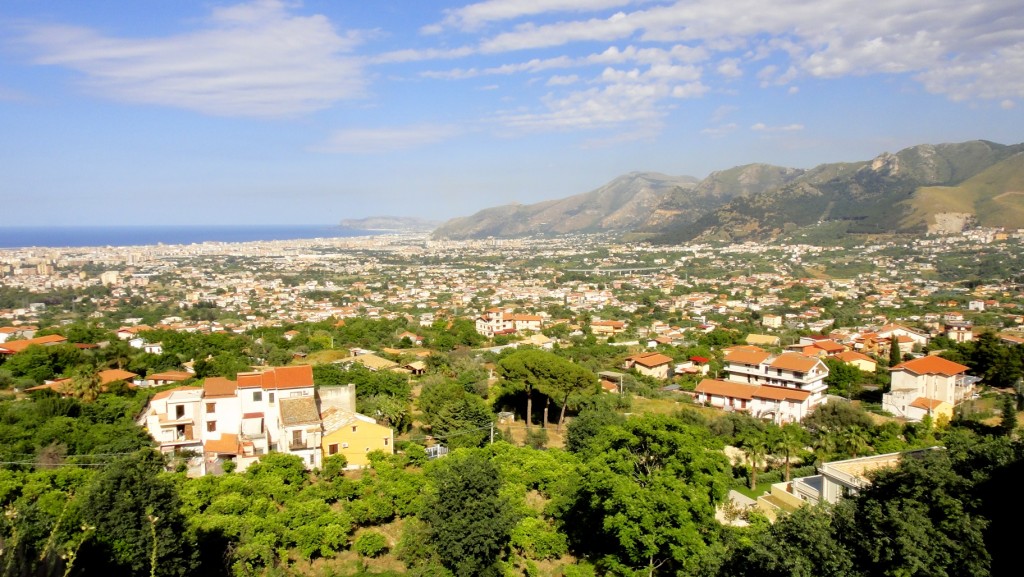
(747, 355)
(219, 387)
(926, 403)
(650, 359)
(828, 345)
(169, 376)
(20, 345)
(850, 356)
(288, 377)
(794, 362)
(745, 391)
(931, 365)
(226, 445)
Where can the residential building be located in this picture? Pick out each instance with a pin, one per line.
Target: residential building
(651, 364)
(959, 331)
(859, 360)
(272, 410)
(784, 388)
(920, 386)
(355, 436)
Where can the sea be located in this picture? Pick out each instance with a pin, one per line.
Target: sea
(79, 236)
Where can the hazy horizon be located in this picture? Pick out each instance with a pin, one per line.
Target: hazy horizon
(278, 113)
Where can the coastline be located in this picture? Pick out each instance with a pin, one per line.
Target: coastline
(22, 237)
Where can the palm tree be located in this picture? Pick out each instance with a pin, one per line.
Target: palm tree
(85, 384)
(855, 441)
(790, 439)
(756, 448)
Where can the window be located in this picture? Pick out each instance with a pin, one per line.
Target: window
(270, 398)
(296, 437)
(257, 396)
(386, 441)
(353, 428)
(332, 449)
(179, 411)
(211, 408)
(211, 426)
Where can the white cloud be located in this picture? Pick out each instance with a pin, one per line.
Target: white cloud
(719, 131)
(963, 51)
(251, 59)
(378, 140)
(729, 67)
(414, 55)
(474, 16)
(1007, 104)
(562, 80)
(762, 127)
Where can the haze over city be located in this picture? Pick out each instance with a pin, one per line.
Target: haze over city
(311, 112)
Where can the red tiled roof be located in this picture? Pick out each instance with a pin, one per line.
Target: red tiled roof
(794, 362)
(169, 376)
(829, 345)
(746, 355)
(850, 356)
(931, 365)
(745, 391)
(650, 359)
(288, 377)
(226, 445)
(20, 345)
(219, 387)
(926, 403)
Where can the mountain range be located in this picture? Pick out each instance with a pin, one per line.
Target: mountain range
(942, 187)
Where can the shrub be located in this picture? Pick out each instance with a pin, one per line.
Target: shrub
(371, 544)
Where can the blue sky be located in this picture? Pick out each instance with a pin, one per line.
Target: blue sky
(287, 112)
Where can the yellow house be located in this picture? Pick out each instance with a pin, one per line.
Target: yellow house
(355, 436)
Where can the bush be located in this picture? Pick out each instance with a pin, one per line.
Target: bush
(229, 466)
(537, 437)
(371, 544)
(334, 466)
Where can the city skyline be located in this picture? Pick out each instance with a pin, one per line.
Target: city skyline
(278, 112)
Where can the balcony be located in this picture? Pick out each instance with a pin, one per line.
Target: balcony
(301, 445)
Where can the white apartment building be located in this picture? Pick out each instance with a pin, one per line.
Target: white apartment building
(274, 410)
(783, 388)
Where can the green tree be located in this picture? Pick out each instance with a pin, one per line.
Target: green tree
(894, 351)
(469, 519)
(1008, 422)
(645, 499)
(801, 544)
(463, 423)
(85, 384)
(917, 519)
(790, 439)
(139, 529)
(530, 370)
(756, 447)
(588, 425)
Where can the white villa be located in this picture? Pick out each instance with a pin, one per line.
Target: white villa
(784, 388)
(274, 410)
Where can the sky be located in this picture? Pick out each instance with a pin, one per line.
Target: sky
(295, 112)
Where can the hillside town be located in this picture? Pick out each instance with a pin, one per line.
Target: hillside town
(816, 366)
